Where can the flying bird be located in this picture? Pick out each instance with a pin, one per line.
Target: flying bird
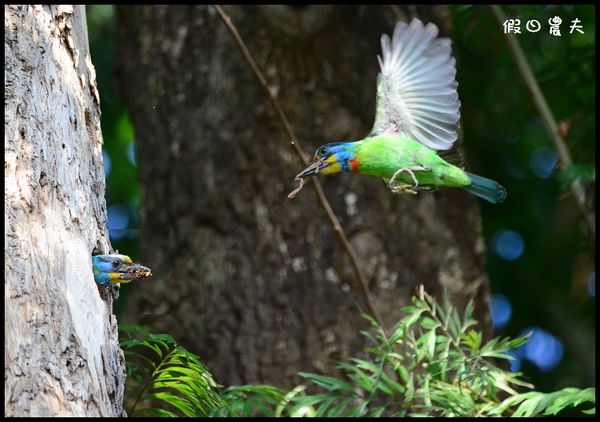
(116, 269)
(416, 122)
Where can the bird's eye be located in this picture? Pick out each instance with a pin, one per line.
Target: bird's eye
(324, 151)
(116, 263)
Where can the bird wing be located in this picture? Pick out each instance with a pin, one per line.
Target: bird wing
(416, 88)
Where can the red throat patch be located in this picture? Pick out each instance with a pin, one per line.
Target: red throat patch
(354, 164)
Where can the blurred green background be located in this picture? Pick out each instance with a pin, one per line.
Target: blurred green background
(540, 259)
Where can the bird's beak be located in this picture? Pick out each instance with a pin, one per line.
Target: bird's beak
(317, 166)
(133, 272)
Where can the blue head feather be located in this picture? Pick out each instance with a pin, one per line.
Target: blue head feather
(342, 151)
(115, 269)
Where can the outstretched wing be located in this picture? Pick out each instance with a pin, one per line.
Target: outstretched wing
(416, 89)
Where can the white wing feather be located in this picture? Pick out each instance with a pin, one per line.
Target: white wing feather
(416, 89)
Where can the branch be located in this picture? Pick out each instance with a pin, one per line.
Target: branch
(539, 100)
(335, 224)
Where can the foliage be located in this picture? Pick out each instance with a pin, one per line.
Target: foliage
(433, 364)
(502, 133)
(548, 285)
(161, 371)
(582, 172)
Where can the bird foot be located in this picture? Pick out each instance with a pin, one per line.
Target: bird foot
(403, 189)
(406, 188)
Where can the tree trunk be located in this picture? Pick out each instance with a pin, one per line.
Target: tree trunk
(254, 282)
(62, 355)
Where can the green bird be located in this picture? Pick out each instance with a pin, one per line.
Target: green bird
(417, 118)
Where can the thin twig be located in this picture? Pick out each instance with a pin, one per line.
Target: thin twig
(539, 100)
(337, 228)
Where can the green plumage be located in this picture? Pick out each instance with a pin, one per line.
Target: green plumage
(383, 155)
(416, 121)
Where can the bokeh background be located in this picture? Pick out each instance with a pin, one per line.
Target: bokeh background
(540, 255)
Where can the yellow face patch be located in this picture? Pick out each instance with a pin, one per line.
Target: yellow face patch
(334, 166)
(114, 278)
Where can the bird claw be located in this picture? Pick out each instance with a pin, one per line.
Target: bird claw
(406, 188)
(403, 189)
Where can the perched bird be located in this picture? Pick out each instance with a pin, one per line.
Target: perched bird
(115, 269)
(416, 120)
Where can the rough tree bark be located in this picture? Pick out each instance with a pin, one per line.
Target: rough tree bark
(62, 355)
(253, 282)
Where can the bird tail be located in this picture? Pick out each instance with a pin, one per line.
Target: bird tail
(486, 189)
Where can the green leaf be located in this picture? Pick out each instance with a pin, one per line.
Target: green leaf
(444, 359)
(454, 321)
(428, 323)
(173, 400)
(468, 315)
(472, 339)
(498, 355)
(513, 344)
(263, 409)
(376, 412)
(583, 172)
(403, 372)
(338, 410)
(531, 406)
(429, 343)
(398, 334)
(363, 380)
(458, 380)
(536, 403)
(570, 397)
(287, 398)
(412, 317)
(369, 337)
(329, 383)
(248, 407)
(410, 389)
(324, 407)
(310, 400)
(591, 411)
(358, 410)
(172, 375)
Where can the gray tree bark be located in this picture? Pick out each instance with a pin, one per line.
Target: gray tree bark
(253, 282)
(62, 356)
